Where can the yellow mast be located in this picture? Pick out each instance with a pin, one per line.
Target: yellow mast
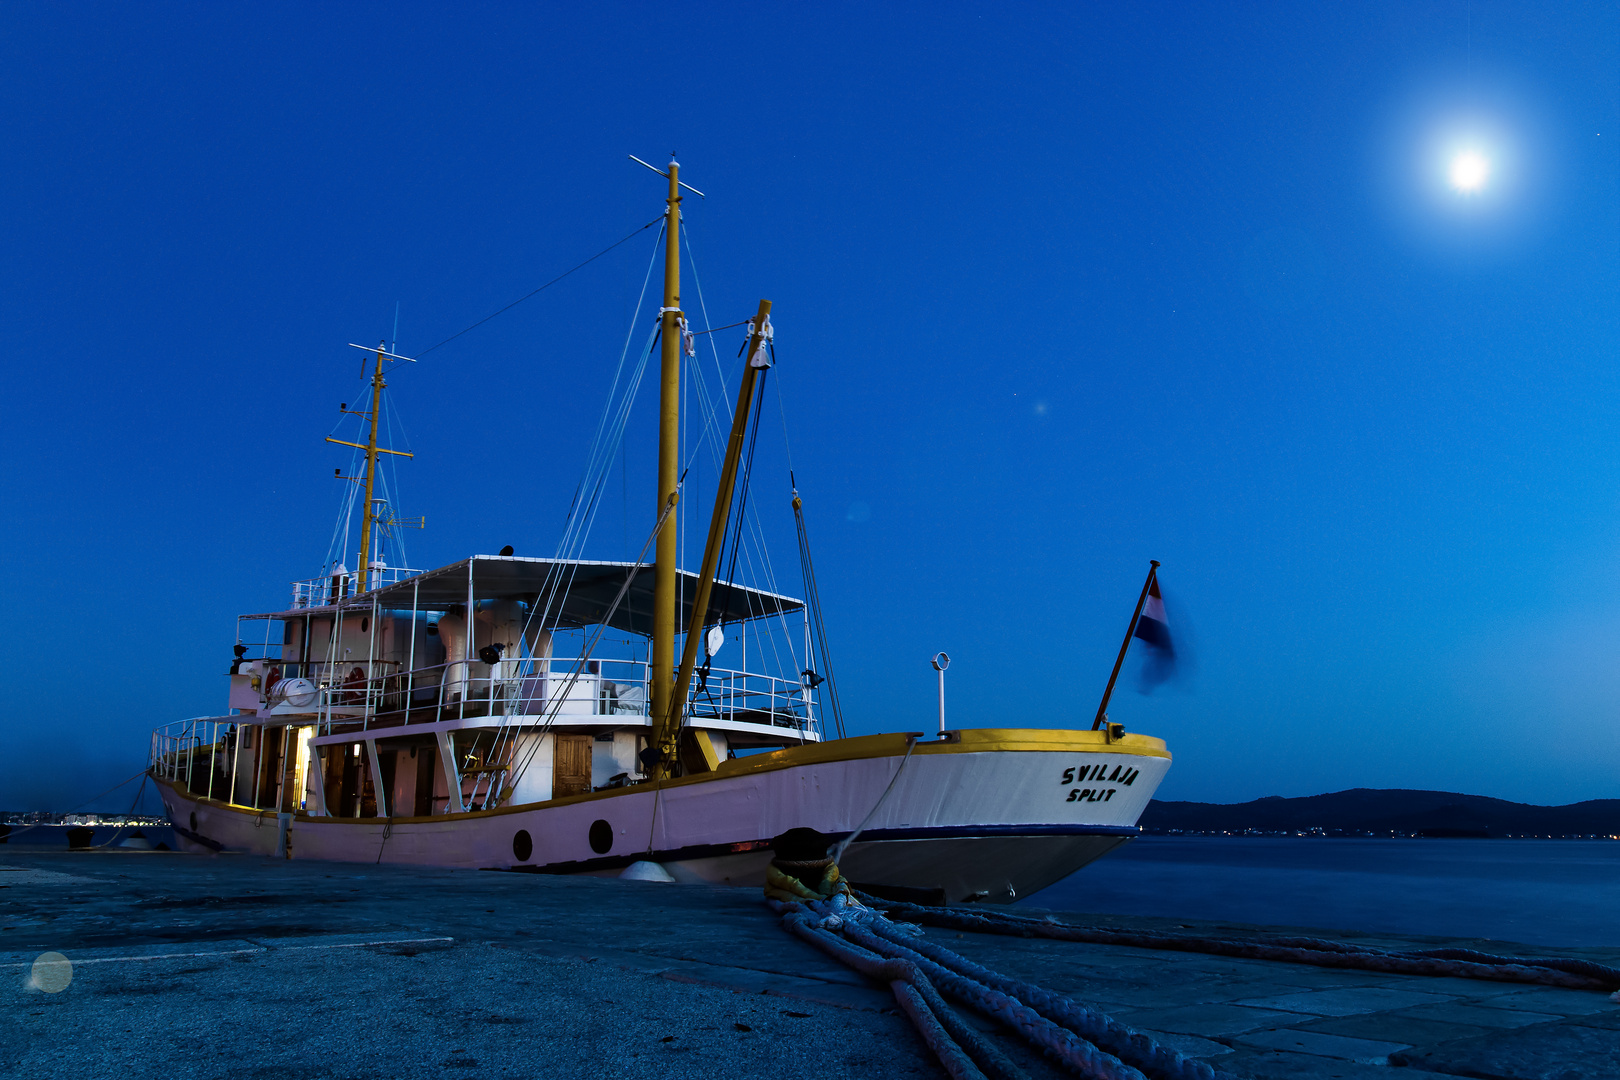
(758, 338)
(372, 450)
(665, 712)
(371, 473)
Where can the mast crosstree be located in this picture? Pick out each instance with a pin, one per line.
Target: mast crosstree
(372, 450)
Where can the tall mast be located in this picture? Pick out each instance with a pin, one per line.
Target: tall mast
(664, 709)
(363, 579)
(371, 472)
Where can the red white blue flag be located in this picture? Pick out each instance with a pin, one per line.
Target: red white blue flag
(1153, 627)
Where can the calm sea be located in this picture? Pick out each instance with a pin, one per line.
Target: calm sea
(1540, 892)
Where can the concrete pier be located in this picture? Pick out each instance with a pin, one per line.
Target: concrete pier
(186, 966)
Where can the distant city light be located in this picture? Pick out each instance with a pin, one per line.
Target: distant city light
(1469, 171)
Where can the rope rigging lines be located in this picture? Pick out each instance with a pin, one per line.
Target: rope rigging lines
(517, 738)
(536, 291)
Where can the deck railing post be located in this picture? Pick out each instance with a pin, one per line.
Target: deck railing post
(410, 657)
(472, 635)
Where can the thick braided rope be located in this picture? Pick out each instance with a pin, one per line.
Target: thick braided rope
(1058, 1042)
(1462, 963)
(1133, 1047)
(995, 1064)
(903, 979)
(956, 1061)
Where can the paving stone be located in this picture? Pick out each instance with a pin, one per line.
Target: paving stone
(1232, 991)
(1459, 988)
(1395, 1027)
(1271, 1065)
(1551, 999)
(1457, 1012)
(1365, 1051)
(1563, 1051)
(1209, 1019)
(1189, 1045)
(1609, 1019)
(1349, 1002)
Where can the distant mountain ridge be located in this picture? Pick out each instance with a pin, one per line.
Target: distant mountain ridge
(1387, 812)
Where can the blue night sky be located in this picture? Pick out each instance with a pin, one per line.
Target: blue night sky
(1057, 290)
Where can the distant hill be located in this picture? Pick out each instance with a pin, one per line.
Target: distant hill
(1386, 812)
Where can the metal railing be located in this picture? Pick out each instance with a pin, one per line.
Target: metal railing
(205, 755)
(324, 591)
(196, 753)
(533, 687)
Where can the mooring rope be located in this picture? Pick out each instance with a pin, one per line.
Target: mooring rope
(805, 887)
(876, 947)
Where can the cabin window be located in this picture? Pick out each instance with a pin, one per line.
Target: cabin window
(365, 623)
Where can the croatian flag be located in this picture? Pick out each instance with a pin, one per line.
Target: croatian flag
(1154, 628)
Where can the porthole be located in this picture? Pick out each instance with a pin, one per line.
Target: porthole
(601, 837)
(365, 624)
(194, 821)
(522, 845)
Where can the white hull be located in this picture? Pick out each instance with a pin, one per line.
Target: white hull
(989, 817)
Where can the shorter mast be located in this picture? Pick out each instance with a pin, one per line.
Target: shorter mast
(1130, 631)
(372, 450)
(667, 738)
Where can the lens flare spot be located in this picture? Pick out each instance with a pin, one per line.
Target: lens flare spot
(1469, 171)
(51, 972)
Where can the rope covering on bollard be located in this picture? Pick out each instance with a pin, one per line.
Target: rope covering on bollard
(1461, 963)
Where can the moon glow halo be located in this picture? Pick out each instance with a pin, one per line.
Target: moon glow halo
(1469, 171)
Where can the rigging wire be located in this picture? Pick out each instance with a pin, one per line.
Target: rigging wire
(717, 329)
(609, 431)
(812, 596)
(543, 288)
(748, 519)
(582, 515)
(563, 692)
(743, 518)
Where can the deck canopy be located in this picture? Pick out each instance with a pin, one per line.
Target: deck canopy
(579, 592)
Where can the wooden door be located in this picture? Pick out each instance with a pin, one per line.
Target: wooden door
(269, 770)
(571, 774)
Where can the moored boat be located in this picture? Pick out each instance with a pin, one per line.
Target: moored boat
(426, 717)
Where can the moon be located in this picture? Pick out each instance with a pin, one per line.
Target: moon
(1469, 171)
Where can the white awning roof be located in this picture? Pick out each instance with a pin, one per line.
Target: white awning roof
(579, 592)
